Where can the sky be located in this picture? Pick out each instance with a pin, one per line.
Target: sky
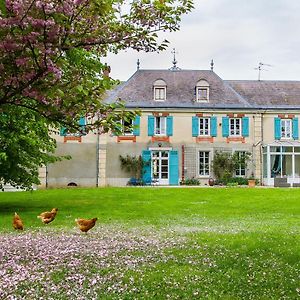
(236, 34)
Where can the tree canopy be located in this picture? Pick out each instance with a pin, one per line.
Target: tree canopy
(51, 63)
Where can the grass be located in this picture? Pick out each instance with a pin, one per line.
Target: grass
(153, 243)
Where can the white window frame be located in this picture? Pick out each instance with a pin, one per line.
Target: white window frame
(160, 130)
(208, 153)
(235, 133)
(286, 134)
(126, 133)
(198, 94)
(239, 170)
(201, 131)
(161, 92)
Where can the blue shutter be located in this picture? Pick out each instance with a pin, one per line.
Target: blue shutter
(245, 126)
(225, 126)
(150, 125)
(277, 128)
(146, 156)
(169, 126)
(82, 121)
(295, 129)
(213, 126)
(173, 162)
(63, 131)
(136, 126)
(195, 126)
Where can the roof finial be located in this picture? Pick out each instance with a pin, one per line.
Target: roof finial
(174, 67)
(212, 65)
(138, 64)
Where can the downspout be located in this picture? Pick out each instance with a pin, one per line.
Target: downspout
(97, 154)
(182, 162)
(260, 148)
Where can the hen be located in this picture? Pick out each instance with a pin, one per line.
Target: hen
(86, 225)
(17, 222)
(48, 216)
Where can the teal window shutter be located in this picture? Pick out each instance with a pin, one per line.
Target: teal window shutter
(150, 125)
(63, 131)
(295, 129)
(245, 126)
(136, 126)
(277, 128)
(195, 126)
(213, 126)
(169, 126)
(173, 162)
(146, 156)
(82, 123)
(225, 126)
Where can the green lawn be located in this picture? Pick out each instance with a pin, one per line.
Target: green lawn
(153, 243)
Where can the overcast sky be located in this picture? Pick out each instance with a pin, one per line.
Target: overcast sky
(237, 34)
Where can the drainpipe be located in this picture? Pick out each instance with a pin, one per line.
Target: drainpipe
(182, 162)
(97, 158)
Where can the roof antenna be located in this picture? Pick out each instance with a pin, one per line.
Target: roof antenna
(174, 67)
(259, 68)
(212, 65)
(138, 64)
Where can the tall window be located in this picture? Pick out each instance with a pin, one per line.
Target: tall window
(202, 91)
(204, 167)
(235, 126)
(241, 168)
(204, 126)
(160, 90)
(125, 129)
(160, 126)
(286, 128)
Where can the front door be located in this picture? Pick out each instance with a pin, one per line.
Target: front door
(160, 166)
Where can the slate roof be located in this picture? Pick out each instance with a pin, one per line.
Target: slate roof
(268, 94)
(138, 91)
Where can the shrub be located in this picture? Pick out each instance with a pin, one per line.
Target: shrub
(190, 181)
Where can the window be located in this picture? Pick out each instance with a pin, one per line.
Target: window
(160, 90)
(160, 93)
(125, 129)
(204, 126)
(241, 168)
(202, 91)
(160, 126)
(235, 126)
(204, 166)
(286, 128)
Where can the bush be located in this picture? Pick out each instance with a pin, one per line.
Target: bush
(190, 181)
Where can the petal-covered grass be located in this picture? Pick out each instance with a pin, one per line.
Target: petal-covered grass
(152, 243)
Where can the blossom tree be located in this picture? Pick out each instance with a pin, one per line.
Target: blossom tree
(51, 62)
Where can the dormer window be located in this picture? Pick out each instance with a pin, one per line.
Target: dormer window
(160, 90)
(202, 91)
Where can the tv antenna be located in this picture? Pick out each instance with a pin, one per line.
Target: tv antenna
(259, 68)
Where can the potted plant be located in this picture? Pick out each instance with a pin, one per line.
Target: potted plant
(251, 181)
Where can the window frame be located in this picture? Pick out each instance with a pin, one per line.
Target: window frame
(235, 127)
(283, 131)
(198, 94)
(162, 128)
(124, 133)
(203, 129)
(204, 163)
(239, 169)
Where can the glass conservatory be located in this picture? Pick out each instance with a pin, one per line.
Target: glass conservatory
(281, 164)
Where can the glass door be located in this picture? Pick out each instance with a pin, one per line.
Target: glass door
(160, 167)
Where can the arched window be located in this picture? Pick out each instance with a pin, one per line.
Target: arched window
(160, 90)
(202, 91)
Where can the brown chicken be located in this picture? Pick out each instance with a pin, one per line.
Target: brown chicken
(86, 225)
(48, 216)
(17, 222)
